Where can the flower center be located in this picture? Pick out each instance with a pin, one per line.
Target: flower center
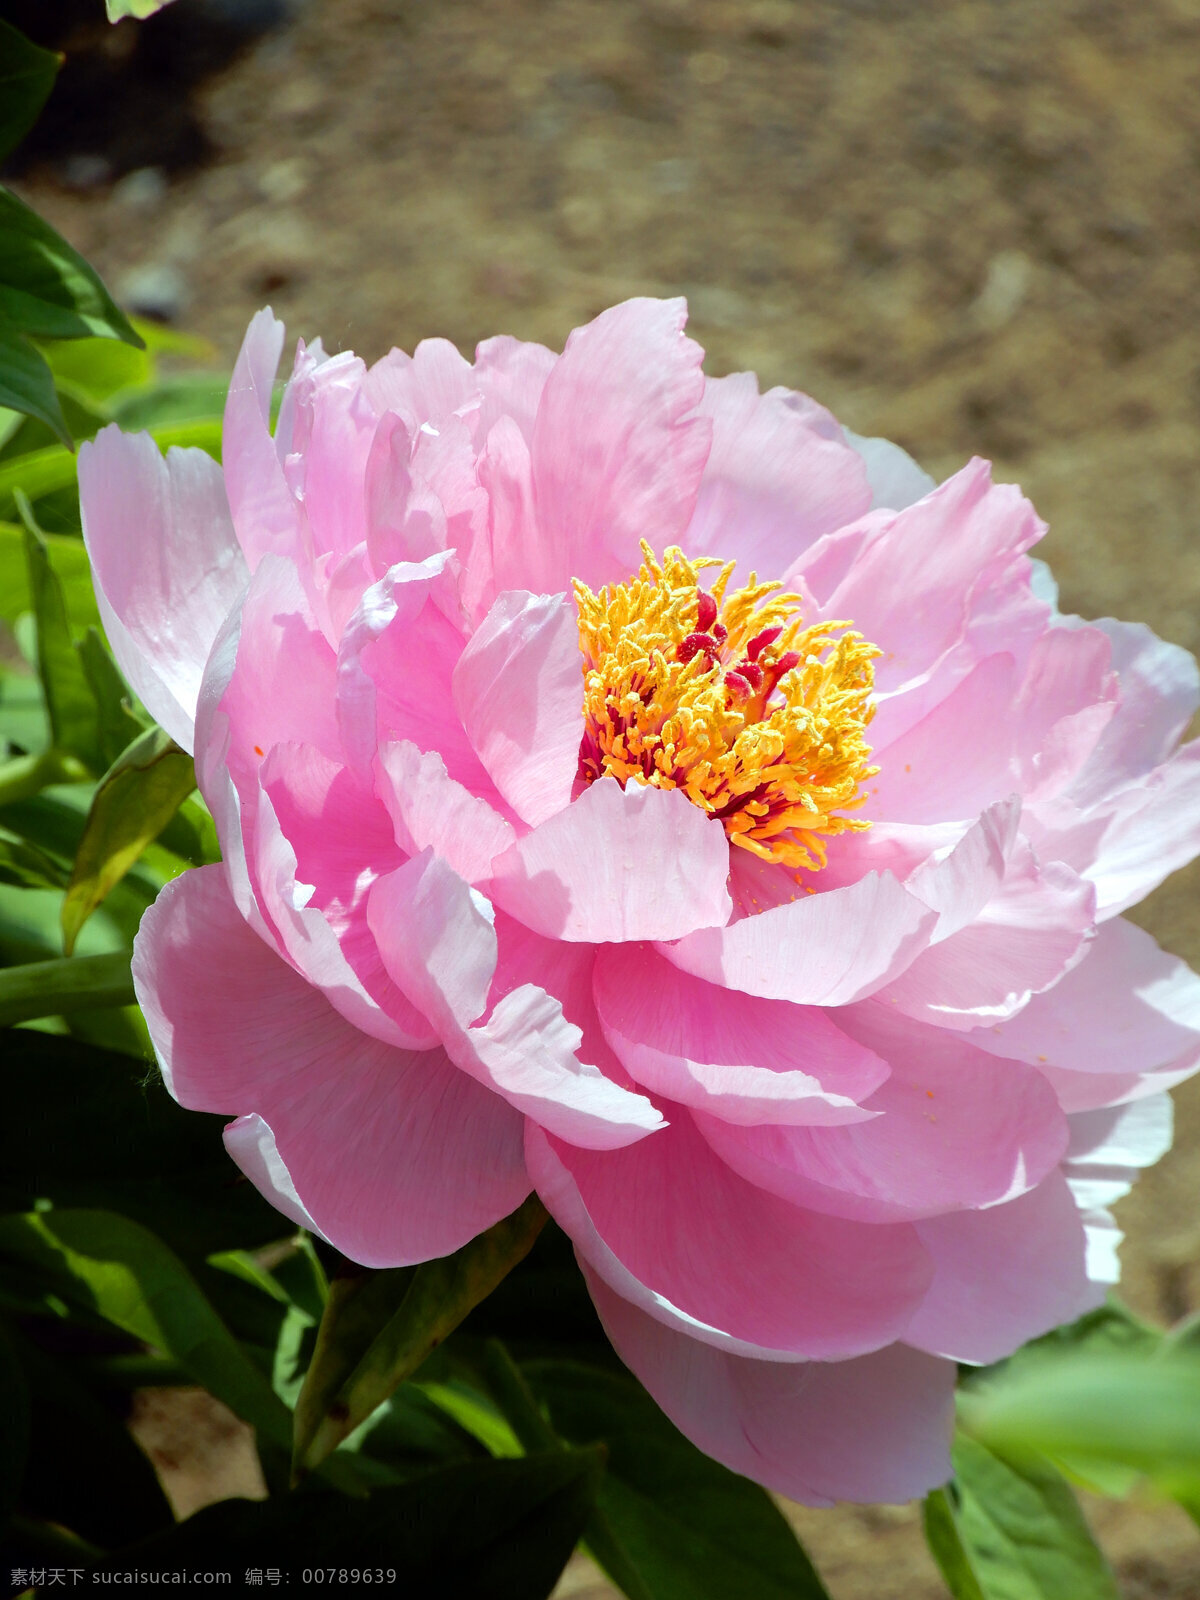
(727, 696)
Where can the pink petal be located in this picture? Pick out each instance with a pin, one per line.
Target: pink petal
(1123, 1023)
(668, 1225)
(1109, 1149)
(895, 479)
(395, 1155)
(511, 374)
(616, 864)
(427, 386)
(910, 588)
(392, 604)
(1159, 692)
(822, 949)
(1031, 932)
(950, 1129)
(405, 519)
(1004, 1276)
(166, 565)
(1155, 830)
(318, 915)
(335, 425)
(772, 484)
(429, 810)
(518, 687)
(740, 1058)
(959, 884)
(872, 1429)
(617, 451)
(439, 946)
(265, 514)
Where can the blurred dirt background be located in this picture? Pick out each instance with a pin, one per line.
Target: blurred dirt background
(973, 227)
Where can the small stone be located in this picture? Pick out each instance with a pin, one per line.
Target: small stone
(142, 190)
(157, 290)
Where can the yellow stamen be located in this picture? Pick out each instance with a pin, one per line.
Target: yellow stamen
(767, 736)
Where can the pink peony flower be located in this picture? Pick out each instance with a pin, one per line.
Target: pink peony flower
(763, 918)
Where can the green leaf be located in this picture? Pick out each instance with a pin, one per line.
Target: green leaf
(86, 1127)
(1141, 1412)
(24, 864)
(56, 988)
(43, 472)
(26, 382)
(134, 801)
(133, 8)
(98, 369)
(84, 1470)
(107, 1264)
(946, 1545)
(47, 289)
(14, 1408)
(27, 75)
(69, 700)
(70, 562)
(379, 1327)
(117, 724)
(669, 1523)
(504, 1529)
(1010, 1526)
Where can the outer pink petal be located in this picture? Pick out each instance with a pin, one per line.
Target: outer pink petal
(265, 513)
(1029, 934)
(439, 946)
(1124, 1023)
(518, 687)
(429, 810)
(1159, 692)
(911, 587)
(166, 565)
(1108, 1150)
(668, 1225)
(428, 386)
(1004, 1275)
(821, 950)
(772, 483)
(1155, 829)
(617, 864)
(895, 478)
(740, 1058)
(872, 1429)
(396, 1156)
(617, 450)
(951, 1129)
(511, 374)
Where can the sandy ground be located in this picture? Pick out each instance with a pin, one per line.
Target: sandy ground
(973, 227)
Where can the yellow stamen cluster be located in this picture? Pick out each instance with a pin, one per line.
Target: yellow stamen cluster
(777, 755)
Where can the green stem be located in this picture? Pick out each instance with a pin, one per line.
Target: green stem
(25, 776)
(516, 1399)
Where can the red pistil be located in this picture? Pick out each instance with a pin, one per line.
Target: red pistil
(737, 685)
(693, 644)
(760, 642)
(751, 671)
(706, 611)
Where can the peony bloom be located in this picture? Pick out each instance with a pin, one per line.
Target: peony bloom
(638, 789)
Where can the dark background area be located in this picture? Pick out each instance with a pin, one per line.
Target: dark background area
(972, 227)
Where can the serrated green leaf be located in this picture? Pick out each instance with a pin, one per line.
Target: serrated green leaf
(70, 704)
(109, 1265)
(379, 1327)
(669, 1523)
(1020, 1534)
(134, 801)
(47, 289)
(27, 74)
